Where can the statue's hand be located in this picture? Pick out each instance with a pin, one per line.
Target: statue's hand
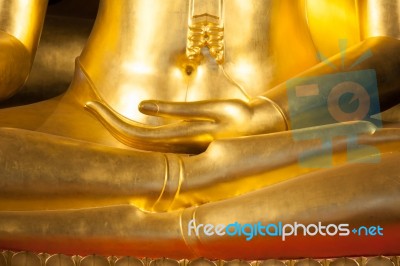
(204, 121)
(197, 123)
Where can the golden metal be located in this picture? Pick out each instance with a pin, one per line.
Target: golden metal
(206, 29)
(45, 259)
(380, 18)
(168, 120)
(20, 27)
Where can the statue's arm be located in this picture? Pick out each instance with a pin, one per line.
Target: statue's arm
(41, 171)
(380, 34)
(20, 28)
(199, 123)
(379, 18)
(380, 56)
(334, 196)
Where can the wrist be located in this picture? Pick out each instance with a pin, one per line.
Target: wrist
(268, 116)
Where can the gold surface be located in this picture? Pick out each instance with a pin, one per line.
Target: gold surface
(21, 258)
(20, 27)
(163, 123)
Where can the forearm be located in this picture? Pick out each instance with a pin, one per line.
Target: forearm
(330, 197)
(237, 166)
(39, 171)
(23, 20)
(379, 18)
(20, 27)
(382, 60)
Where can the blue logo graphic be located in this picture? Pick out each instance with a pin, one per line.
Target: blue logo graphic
(332, 99)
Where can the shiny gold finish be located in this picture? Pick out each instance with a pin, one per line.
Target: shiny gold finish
(20, 258)
(23, 20)
(123, 229)
(62, 39)
(74, 180)
(13, 75)
(206, 29)
(205, 34)
(149, 70)
(205, 121)
(172, 182)
(20, 27)
(380, 18)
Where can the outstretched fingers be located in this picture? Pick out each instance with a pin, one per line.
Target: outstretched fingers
(201, 110)
(193, 134)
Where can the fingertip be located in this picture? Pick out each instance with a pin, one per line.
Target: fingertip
(149, 107)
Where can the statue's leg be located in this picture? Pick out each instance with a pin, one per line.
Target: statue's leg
(367, 195)
(113, 230)
(48, 172)
(349, 195)
(41, 171)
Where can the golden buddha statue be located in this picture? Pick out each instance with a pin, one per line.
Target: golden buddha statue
(179, 115)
